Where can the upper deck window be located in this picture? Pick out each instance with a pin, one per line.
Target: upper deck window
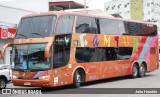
(87, 25)
(34, 27)
(140, 29)
(109, 27)
(65, 24)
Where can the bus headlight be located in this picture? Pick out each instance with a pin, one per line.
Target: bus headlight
(44, 77)
(14, 76)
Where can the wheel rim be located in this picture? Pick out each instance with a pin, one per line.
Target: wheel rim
(2, 84)
(135, 72)
(78, 77)
(142, 71)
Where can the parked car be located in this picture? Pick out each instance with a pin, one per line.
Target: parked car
(5, 75)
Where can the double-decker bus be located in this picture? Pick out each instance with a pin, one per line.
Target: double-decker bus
(61, 48)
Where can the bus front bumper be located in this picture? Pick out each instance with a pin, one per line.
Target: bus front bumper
(31, 83)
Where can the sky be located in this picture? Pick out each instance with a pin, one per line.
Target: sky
(93, 4)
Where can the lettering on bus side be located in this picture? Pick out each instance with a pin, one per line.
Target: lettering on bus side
(135, 46)
(107, 41)
(63, 39)
(116, 39)
(126, 40)
(83, 42)
(21, 46)
(92, 77)
(92, 69)
(66, 40)
(95, 41)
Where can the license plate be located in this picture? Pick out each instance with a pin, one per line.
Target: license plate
(27, 83)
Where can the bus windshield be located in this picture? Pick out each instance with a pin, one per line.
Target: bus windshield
(29, 57)
(35, 27)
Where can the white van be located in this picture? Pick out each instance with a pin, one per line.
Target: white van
(5, 75)
(5, 70)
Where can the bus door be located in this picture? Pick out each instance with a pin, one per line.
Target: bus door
(61, 58)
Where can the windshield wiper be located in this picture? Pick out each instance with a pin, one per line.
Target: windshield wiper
(38, 34)
(40, 69)
(18, 69)
(22, 35)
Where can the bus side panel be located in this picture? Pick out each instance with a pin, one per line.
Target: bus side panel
(151, 56)
(106, 69)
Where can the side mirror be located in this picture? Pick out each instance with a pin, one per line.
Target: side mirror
(47, 50)
(3, 50)
(3, 67)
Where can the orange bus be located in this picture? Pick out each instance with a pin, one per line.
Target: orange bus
(61, 48)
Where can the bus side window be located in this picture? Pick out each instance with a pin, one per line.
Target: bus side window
(109, 53)
(86, 55)
(122, 29)
(90, 55)
(86, 24)
(124, 53)
(140, 29)
(109, 27)
(103, 26)
(83, 24)
(99, 54)
(131, 28)
(102, 54)
(148, 29)
(80, 55)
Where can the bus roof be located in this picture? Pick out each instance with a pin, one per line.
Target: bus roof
(85, 14)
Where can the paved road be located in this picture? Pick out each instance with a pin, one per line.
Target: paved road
(151, 80)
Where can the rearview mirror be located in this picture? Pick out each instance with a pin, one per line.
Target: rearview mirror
(3, 50)
(47, 50)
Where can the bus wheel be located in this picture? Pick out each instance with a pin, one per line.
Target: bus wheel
(76, 79)
(2, 83)
(142, 70)
(134, 71)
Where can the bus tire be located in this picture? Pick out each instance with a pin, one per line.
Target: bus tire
(76, 79)
(3, 83)
(142, 70)
(134, 71)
